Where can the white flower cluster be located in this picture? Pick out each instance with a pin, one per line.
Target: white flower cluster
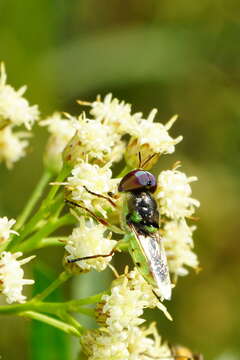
(14, 111)
(175, 203)
(5, 229)
(111, 111)
(91, 152)
(178, 244)
(118, 114)
(61, 132)
(174, 194)
(145, 135)
(121, 337)
(88, 178)
(138, 343)
(89, 239)
(100, 138)
(11, 276)
(11, 273)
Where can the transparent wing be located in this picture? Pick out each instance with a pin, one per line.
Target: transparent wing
(152, 247)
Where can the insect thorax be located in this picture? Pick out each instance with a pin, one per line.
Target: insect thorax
(142, 212)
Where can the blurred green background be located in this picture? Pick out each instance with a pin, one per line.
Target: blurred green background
(180, 56)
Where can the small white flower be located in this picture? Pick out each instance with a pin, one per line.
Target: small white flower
(13, 106)
(62, 131)
(59, 127)
(178, 243)
(11, 276)
(111, 111)
(133, 344)
(155, 135)
(95, 140)
(130, 295)
(173, 194)
(137, 282)
(5, 229)
(123, 308)
(12, 146)
(146, 344)
(96, 179)
(89, 239)
(104, 345)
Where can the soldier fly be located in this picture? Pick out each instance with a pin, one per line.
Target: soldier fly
(141, 221)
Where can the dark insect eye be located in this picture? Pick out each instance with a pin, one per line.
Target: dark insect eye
(138, 180)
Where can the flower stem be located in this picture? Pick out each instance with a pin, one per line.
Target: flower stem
(51, 241)
(47, 307)
(52, 225)
(53, 307)
(64, 172)
(69, 329)
(71, 321)
(64, 276)
(86, 301)
(37, 193)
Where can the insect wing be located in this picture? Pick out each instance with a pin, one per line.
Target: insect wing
(154, 252)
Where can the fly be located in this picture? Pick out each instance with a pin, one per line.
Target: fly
(141, 221)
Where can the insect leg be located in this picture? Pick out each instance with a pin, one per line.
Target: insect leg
(180, 357)
(97, 218)
(101, 196)
(92, 257)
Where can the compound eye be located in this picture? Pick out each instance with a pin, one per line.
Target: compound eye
(138, 180)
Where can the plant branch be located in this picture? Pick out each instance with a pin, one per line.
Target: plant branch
(37, 193)
(69, 329)
(64, 276)
(52, 225)
(51, 241)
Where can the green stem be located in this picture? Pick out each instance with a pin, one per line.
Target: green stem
(62, 175)
(69, 329)
(51, 241)
(31, 225)
(46, 307)
(43, 210)
(64, 276)
(52, 225)
(41, 213)
(37, 193)
(71, 321)
(86, 301)
(53, 307)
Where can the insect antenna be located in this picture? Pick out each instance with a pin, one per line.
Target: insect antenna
(97, 218)
(149, 158)
(139, 160)
(94, 216)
